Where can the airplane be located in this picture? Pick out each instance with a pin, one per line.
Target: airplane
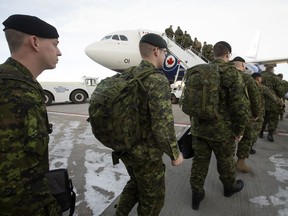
(119, 51)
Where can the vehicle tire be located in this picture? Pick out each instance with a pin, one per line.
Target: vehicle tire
(78, 96)
(48, 98)
(174, 99)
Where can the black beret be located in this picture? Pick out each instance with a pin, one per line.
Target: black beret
(225, 44)
(154, 39)
(30, 25)
(238, 58)
(255, 75)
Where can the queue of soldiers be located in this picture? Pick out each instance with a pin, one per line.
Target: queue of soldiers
(248, 105)
(25, 128)
(186, 42)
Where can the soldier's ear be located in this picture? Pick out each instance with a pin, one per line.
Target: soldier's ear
(34, 42)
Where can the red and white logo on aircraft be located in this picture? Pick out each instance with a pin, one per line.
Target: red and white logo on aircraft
(170, 63)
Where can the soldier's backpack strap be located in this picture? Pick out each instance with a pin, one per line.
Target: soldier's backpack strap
(10, 75)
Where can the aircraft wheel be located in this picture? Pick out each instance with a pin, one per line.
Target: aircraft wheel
(78, 96)
(48, 98)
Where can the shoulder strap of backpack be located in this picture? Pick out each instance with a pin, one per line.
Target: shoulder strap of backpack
(142, 75)
(10, 75)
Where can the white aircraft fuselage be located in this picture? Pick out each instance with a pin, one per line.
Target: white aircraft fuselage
(119, 50)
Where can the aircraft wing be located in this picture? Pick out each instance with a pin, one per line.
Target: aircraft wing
(269, 61)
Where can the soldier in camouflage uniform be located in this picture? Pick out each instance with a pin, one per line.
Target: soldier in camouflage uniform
(169, 32)
(186, 41)
(178, 35)
(284, 84)
(245, 144)
(144, 160)
(24, 124)
(272, 111)
(265, 95)
(219, 135)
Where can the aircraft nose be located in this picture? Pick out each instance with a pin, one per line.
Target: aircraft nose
(93, 52)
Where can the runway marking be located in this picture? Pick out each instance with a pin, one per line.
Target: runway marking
(68, 114)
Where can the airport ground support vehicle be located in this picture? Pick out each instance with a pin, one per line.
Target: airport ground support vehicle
(76, 92)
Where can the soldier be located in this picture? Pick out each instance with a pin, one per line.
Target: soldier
(282, 110)
(219, 135)
(209, 52)
(178, 35)
(272, 111)
(144, 161)
(186, 40)
(169, 32)
(245, 144)
(196, 45)
(203, 50)
(24, 124)
(265, 95)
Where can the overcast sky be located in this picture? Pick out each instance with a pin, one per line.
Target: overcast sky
(82, 22)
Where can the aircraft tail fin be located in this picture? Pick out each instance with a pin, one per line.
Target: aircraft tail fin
(253, 50)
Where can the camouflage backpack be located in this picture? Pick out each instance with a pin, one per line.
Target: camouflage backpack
(114, 110)
(200, 97)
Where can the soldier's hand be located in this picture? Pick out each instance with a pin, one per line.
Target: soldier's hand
(238, 138)
(179, 160)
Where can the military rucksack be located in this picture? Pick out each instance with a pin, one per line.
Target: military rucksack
(200, 97)
(114, 110)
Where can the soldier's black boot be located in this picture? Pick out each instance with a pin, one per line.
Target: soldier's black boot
(261, 134)
(229, 191)
(270, 136)
(196, 199)
(252, 151)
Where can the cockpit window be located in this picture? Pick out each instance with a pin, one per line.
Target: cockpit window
(123, 38)
(115, 37)
(107, 37)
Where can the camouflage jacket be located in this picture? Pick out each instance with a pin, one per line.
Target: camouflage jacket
(253, 93)
(169, 32)
(233, 108)
(271, 101)
(265, 94)
(23, 143)
(156, 117)
(276, 87)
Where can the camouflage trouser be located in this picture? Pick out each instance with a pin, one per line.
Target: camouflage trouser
(270, 118)
(224, 152)
(256, 129)
(246, 142)
(146, 186)
(53, 209)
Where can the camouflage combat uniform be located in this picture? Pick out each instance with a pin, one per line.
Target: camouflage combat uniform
(265, 95)
(218, 135)
(178, 35)
(23, 146)
(272, 110)
(253, 92)
(144, 161)
(169, 32)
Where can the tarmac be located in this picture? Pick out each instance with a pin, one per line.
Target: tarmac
(98, 183)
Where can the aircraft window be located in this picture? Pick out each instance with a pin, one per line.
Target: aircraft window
(115, 37)
(107, 37)
(123, 38)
